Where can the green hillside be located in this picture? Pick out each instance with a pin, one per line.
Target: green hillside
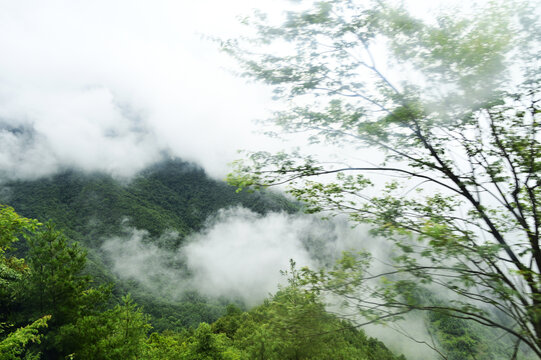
(88, 319)
(173, 195)
(49, 309)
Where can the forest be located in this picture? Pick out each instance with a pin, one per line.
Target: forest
(62, 298)
(403, 222)
(57, 304)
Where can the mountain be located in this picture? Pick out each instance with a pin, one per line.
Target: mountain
(178, 196)
(171, 196)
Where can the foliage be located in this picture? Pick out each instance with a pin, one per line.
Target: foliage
(13, 346)
(13, 343)
(54, 284)
(118, 333)
(201, 343)
(12, 227)
(173, 195)
(53, 287)
(294, 324)
(457, 132)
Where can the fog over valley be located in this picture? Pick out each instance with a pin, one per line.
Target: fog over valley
(238, 255)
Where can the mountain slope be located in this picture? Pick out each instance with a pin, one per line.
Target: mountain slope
(173, 195)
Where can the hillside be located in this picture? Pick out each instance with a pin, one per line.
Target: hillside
(52, 310)
(173, 195)
(170, 196)
(178, 196)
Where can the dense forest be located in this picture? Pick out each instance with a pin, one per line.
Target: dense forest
(61, 301)
(171, 196)
(62, 297)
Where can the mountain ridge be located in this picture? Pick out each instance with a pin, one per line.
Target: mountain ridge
(171, 195)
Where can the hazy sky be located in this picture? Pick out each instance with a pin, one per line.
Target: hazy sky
(113, 85)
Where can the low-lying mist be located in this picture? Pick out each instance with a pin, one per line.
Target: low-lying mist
(239, 256)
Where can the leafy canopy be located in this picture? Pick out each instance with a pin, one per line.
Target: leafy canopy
(454, 113)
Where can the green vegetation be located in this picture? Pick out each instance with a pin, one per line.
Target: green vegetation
(13, 340)
(173, 195)
(74, 320)
(293, 324)
(458, 132)
(61, 290)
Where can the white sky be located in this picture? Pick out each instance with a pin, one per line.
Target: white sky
(108, 85)
(111, 85)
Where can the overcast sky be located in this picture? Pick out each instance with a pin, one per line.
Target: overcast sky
(114, 85)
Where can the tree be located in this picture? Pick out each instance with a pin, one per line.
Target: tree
(293, 324)
(458, 134)
(118, 333)
(12, 228)
(54, 286)
(13, 343)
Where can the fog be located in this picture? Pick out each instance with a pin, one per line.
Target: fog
(238, 255)
(117, 86)
(114, 87)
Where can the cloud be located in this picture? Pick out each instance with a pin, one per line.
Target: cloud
(159, 270)
(88, 129)
(116, 86)
(239, 254)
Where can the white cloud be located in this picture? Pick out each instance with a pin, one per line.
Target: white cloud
(111, 86)
(239, 254)
(242, 253)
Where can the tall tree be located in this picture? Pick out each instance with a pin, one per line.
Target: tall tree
(13, 342)
(55, 285)
(118, 333)
(293, 324)
(457, 126)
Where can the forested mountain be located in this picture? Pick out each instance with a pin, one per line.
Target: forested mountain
(404, 146)
(52, 310)
(172, 195)
(57, 304)
(82, 292)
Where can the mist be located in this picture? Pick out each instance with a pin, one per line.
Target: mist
(116, 87)
(238, 255)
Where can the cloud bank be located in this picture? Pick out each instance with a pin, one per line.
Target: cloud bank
(116, 86)
(239, 255)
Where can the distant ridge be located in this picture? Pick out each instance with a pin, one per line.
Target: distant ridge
(171, 195)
